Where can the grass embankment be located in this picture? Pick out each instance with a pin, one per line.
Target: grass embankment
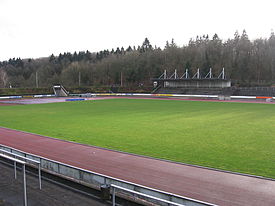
(232, 136)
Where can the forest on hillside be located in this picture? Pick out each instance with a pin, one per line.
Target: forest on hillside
(246, 62)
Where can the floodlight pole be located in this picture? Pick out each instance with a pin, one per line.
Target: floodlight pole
(121, 82)
(79, 78)
(36, 79)
(164, 77)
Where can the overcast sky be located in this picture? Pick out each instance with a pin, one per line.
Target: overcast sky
(38, 28)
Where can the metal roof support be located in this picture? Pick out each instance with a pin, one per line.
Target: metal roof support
(209, 74)
(222, 74)
(174, 75)
(197, 75)
(162, 76)
(185, 75)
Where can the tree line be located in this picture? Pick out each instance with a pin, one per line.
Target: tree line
(246, 62)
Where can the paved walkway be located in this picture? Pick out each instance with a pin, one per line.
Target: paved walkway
(206, 185)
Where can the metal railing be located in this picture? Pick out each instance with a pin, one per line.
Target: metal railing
(114, 187)
(25, 159)
(49, 165)
(24, 174)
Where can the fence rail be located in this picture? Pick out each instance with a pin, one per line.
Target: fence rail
(38, 163)
(114, 187)
(96, 180)
(25, 201)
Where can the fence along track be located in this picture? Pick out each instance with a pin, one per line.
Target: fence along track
(96, 180)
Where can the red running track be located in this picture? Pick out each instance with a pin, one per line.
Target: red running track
(7, 102)
(202, 184)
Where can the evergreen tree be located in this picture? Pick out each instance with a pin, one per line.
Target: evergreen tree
(129, 49)
(52, 58)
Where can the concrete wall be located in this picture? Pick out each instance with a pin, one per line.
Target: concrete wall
(198, 83)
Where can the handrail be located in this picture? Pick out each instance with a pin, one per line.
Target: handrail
(116, 179)
(27, 159)
(24, 174)
(141, 194)
(16, 155)
(159, 86)
(13, 159)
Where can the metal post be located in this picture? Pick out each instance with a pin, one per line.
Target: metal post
(25, 185)
(176, 74)
(186, 73)
(15, 175)
(79, 79)
(39, 174)
(223, 73)
(114, 197)
(164, 77)
(121, 81)
(198, 73)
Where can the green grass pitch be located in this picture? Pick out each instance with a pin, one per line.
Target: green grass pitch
(238, 137)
